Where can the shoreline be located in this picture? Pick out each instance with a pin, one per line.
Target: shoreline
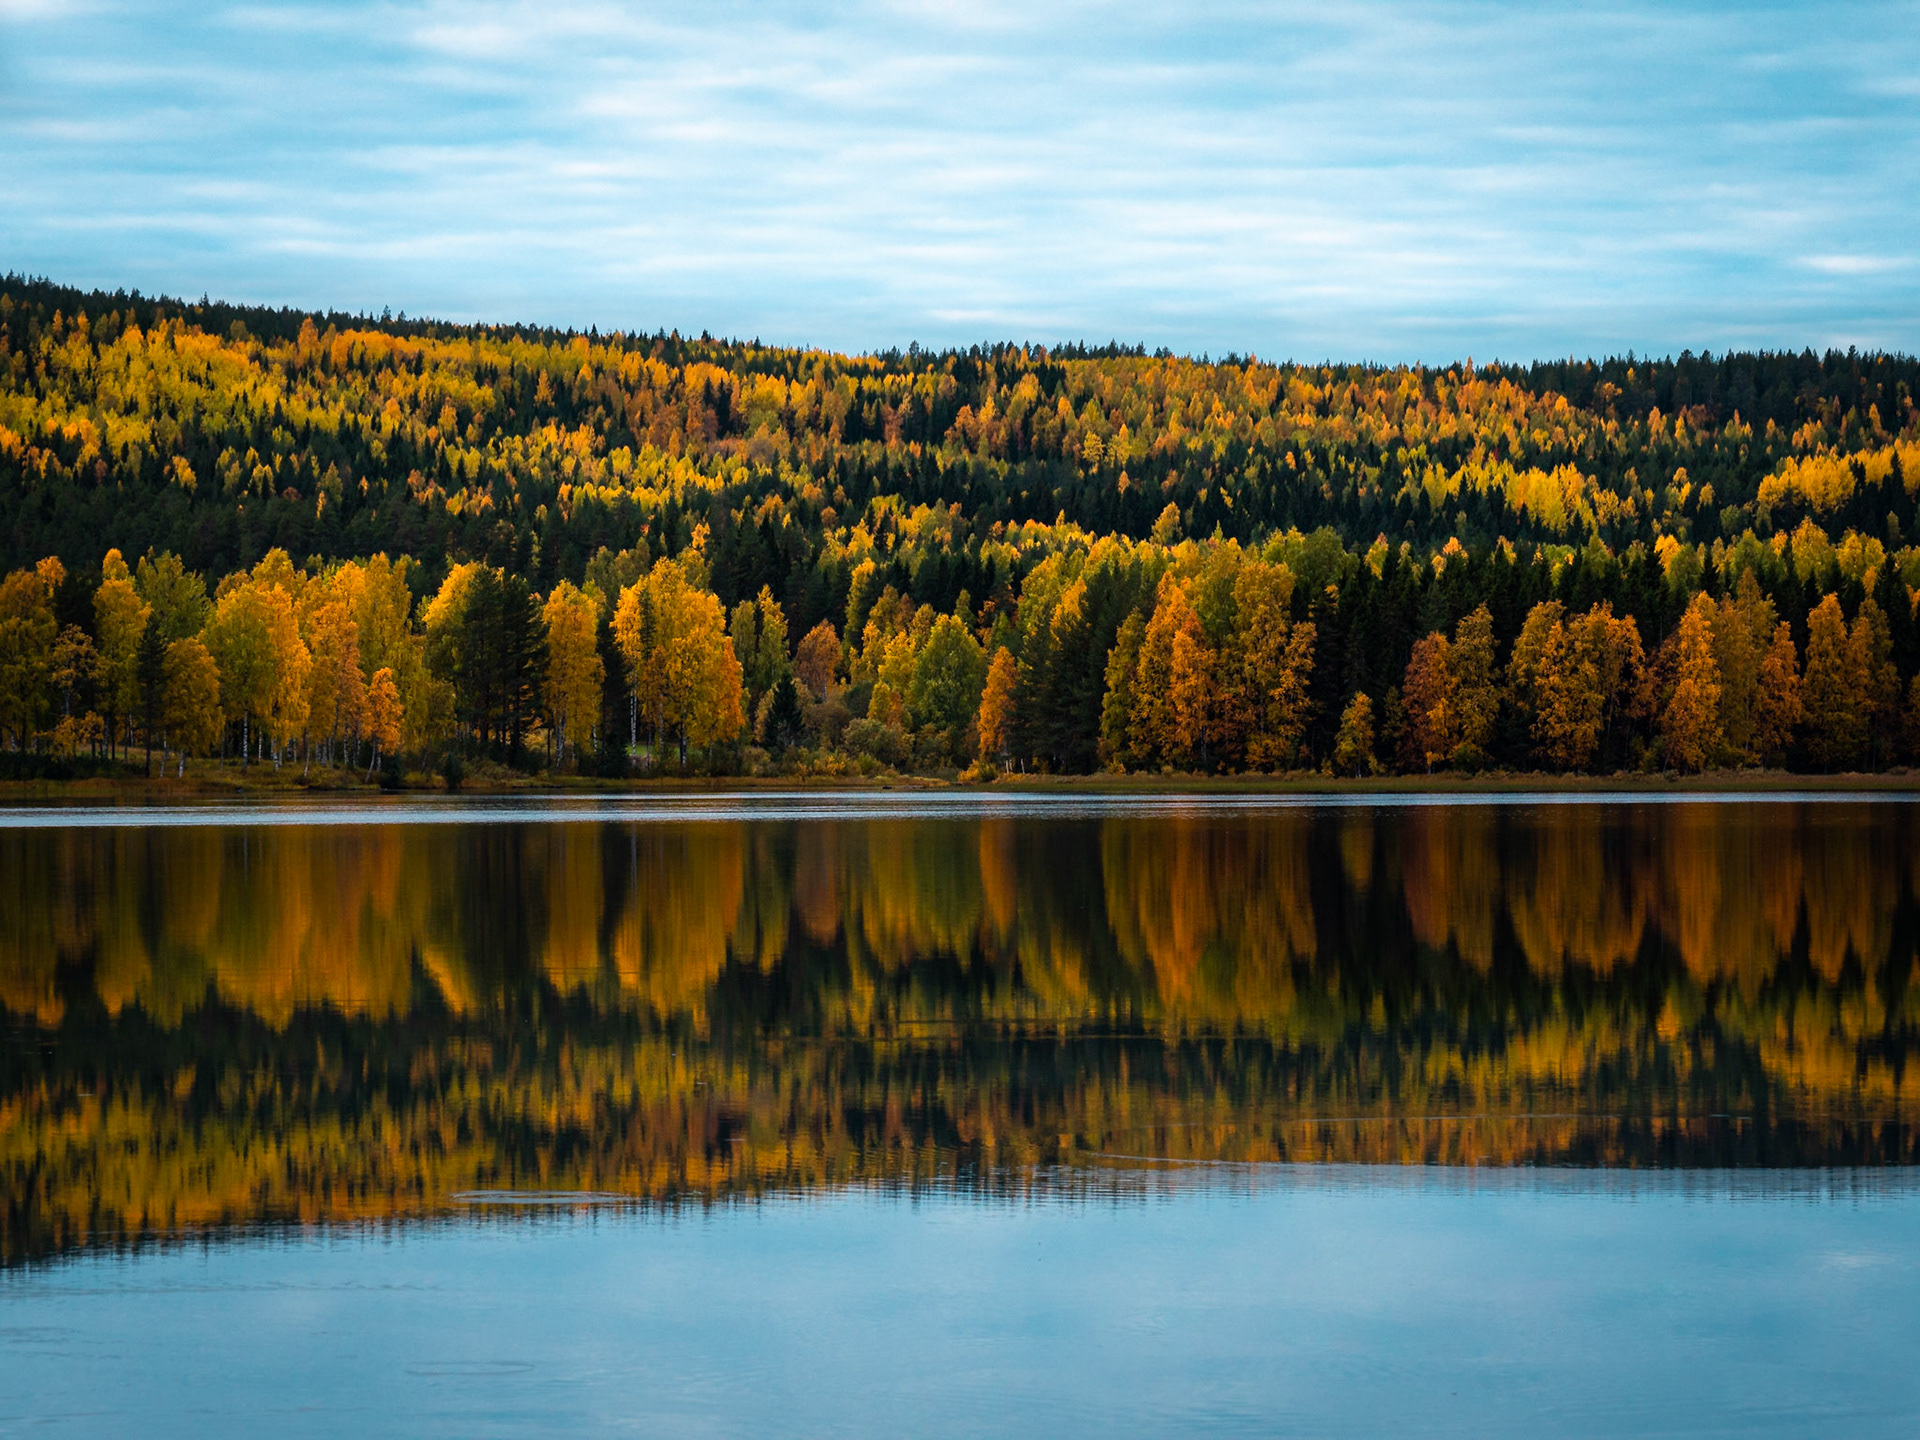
(271, 788)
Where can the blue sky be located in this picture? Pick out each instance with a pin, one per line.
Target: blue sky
(1418, 181)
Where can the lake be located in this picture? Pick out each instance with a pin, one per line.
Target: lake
(962, 1113)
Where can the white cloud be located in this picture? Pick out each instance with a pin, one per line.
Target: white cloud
(1395, 180)
(1857, 264)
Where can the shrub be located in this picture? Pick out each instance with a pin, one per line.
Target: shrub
(878, 741)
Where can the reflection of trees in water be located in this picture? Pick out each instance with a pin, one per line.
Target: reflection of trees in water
(1195, 920)
(339, 1118)
(1212, 916)
(1451, 878)
(1556, 918)
(709, 1008)
(275, 920)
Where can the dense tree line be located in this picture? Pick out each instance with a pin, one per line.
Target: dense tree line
(661, 550)
(1150, 656)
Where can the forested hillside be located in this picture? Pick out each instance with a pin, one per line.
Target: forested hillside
(617, 549)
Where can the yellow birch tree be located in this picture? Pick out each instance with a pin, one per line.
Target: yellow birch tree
(120, 620)
(190, 699)
(384, 714)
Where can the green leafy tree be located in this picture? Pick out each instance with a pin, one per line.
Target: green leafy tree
(1353, 746)
(948, 676)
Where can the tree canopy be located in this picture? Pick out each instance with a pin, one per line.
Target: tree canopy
(555, 537)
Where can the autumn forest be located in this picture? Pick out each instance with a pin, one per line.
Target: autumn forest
(347, 544)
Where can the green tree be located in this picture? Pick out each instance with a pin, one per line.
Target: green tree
(948, 676)
(759, 632)
(1353, 745)
(239, 637)
(1476, 686)
(120, 619)
(28, 633)
(1742, 630)
(1116, 705)
(492, 649)
(1271, 660)
(176, 599)
(190, 712)
(784, 722)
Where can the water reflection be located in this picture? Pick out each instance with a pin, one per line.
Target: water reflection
(217, 1024)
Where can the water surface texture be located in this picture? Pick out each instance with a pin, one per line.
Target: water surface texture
(951, 1114)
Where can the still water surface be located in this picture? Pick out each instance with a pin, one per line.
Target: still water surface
(909, 1113)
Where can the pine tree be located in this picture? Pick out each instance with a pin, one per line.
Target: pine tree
(1116, 706)
(1328, 682)
(784, 723)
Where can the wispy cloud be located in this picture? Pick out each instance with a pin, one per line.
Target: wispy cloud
(1858, 264)
(1384, 179)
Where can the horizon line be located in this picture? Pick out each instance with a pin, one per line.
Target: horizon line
(1112, 348)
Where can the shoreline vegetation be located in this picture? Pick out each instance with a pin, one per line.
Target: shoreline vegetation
(207, 781)
(275, 550)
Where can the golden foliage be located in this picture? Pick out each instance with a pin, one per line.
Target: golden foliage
(1690, 715)
(995, 721)
(575, 672)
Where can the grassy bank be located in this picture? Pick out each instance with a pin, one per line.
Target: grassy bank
(265, 783)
